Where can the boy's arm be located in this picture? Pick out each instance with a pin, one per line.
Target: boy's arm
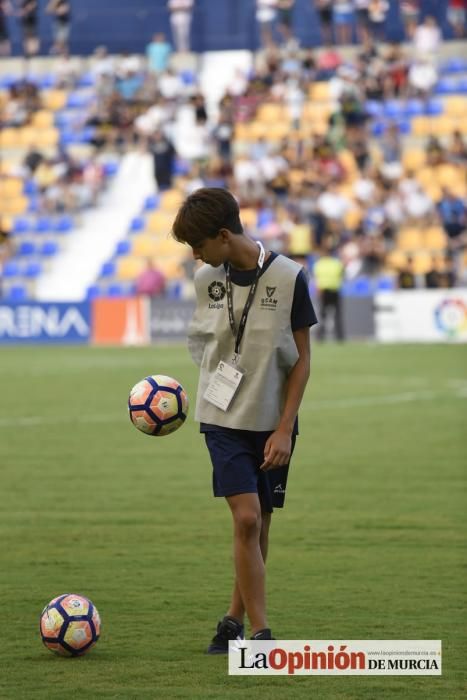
(279, 444)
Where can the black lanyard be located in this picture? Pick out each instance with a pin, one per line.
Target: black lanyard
(238, 334)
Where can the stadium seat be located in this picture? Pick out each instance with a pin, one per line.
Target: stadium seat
(385, 284)
(160, 222)
(110, 168)
(78, 100)
(93, 291)
(422, 263)
(118, 290)
(21, 225)
(414, 108)
(33, 270)
(271, 112)
(11, 187)
(86, 80)
(16, 292)
(319, 91)
(14, 206)
(64, 224)
(108, 269)
(49, 248)
(144, 244)
(374, 108)
(410, 239)
(393, 109)
(43, 224)
(435, 238)
(123, 247)
(9, 138)
(11, 269)
(130, 267)
(43, 119)
(29, 188)
(151, 202)
(54, 99)
(455, 106)
(413, 158)
(137, 224)
(434, 107)
(378, 129)
(170, 200)
(26, 248)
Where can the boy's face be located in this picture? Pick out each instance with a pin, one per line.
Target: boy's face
(212, 251)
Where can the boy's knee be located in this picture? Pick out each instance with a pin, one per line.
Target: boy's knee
(247, 523)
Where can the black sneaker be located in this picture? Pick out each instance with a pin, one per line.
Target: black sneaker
(263, 634)
(227, 629)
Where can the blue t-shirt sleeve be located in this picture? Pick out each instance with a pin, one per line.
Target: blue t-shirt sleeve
(303, 314)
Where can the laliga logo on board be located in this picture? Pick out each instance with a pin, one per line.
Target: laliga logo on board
(451, 317)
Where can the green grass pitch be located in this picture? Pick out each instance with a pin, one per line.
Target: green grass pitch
(369, 546)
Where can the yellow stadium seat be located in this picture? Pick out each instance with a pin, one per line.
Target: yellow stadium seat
(433, 190)
(396, 259)
(248, 216)
(347, 160)
(130, 267)
(54, 99)
(422, 126)
(171, 267)
(353, 218)
(6, 223)
(46, 138)
(160, 222)
(171, 200)
(320, 91)
(242, 131)
(259, 130)
(28, 136)
(455, 106)
(43, 119)
(10, 138)
(277, 132)
(167, 247)
(143, 244)
(434, 238)
(14, 206)
(11, 187)
(6, 166)
(426, 175)
(447, 175)
(422, 263)
(443, 125)
(413, 158)
(271, 113)
(317, 111)
(410, 239)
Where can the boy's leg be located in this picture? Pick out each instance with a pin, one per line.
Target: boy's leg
(237, 608)
(249, 563)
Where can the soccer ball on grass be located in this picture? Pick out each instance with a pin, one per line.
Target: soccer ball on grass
(70, 625)
(158, 405)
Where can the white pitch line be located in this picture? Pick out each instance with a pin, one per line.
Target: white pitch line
(405, 397)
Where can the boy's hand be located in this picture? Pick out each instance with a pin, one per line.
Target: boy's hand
(277, 450)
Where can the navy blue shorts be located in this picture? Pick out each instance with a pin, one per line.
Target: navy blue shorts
(236, 457)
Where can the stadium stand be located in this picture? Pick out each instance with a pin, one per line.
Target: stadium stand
(349, 145)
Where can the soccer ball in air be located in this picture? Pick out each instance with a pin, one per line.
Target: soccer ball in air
(70, 625)
(158, 405)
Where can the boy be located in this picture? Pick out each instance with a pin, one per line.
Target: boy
(250, 337)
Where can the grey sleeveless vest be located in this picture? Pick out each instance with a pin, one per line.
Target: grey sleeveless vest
(267, 352)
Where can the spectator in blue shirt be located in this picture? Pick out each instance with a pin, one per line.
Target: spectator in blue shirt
(158, 52)
(453, 214)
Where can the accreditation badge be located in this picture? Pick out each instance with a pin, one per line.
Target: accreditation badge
(223, 385)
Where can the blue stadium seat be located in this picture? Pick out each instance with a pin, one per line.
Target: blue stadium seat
(385, 284)
(462, 86)
(446, 86)
(93, 292)
(393, 109)
(78, 100)
(434, 107)
(7, 81)
(33, 270)
(64, 119)
(414, 108)
(16, 292)
(63, 224)
(49, 248)
(187, 77)
(21, 225)
(181, 167)
(86, 80)
(123, 247)
(137, 224)
(378, 129)
(43, 224)
(26, 248)
(362, 286)
(117, 290)
(404, 126)
(456, 64)
(44, 82)
(108, 269)
(151, 202)
(374, 108)
(11, 269)
(29, 188)
(110, 168)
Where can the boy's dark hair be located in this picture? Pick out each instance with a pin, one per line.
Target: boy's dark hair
(204, 213)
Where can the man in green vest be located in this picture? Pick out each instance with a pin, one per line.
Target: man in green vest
(329, 275)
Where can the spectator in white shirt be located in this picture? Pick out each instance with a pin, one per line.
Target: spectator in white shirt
(427, 37)
(181, 12)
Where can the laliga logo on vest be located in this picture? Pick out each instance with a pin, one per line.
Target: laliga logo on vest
(158, 405)
(216, 291)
